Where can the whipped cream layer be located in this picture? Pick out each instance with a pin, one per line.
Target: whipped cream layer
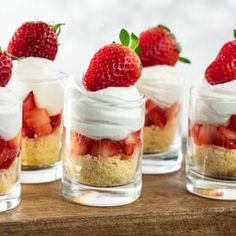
(41, 76)
(10, 114)
(161, 83)
(213, 104)
(113, 112)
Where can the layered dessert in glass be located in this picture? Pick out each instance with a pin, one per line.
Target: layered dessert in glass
(37, 80)
(10, 138)
(211, 159)
(162, 83)
(102, 143)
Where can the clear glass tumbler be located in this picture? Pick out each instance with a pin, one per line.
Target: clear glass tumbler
(99, 170)
(211, 148)
(10, 138)
(162, 139)
(42, 128)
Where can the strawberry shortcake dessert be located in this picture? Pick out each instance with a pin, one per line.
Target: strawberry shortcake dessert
(37, 80)
(104, 117)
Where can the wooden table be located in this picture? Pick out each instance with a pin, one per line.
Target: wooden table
(165, 208)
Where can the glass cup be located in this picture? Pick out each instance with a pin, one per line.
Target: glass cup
(162, 138)
(211, 146)
(10, 138)
(42, 128)
(99, 170)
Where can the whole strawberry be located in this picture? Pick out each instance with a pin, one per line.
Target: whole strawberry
(115, 65)
(159, 47)
(5, 69)
(223, 68)
(36, 39)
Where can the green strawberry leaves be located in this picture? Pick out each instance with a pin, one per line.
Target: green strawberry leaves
(124, 37)
(234, 33)
(129, 40)
(184, 60)
(57, 28)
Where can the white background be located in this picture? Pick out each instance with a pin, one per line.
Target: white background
(201, 26)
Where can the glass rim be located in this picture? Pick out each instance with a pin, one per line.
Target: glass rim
(225, 94)
(61, 78)
(91, 100)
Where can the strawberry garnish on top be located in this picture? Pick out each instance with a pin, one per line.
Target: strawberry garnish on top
(35, 39)
(115, 65)
(159, 47)
(223, 68)
(5, 68)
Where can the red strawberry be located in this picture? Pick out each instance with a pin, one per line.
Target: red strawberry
(27, 132)
(227, 133)
(80, 144)
(149, 105)
(114, 65)
(7, 156)
(223, 68)
(159, 47)
(5, 69)
(29, 102)
(38, 120)
(106, 148)
(232, 122)
(156, 116)
(15, 142)
(55, 120)
(204, 134)
(133, 140)
(36, 39)
(172, 111)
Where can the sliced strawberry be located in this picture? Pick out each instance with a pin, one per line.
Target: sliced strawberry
(172, 111)
(15, 142)
(7, 156)
(232, 122)
(194, 132)
(227, 133)
(29, 102)
(43, 130)
(2, 144)
(150, 105)
(156, 116)
(106, 148)
(55, 120)
(36, 117)
(80, 144)
(27, 132)
(38, 120)
(207, 134)
(129, 149)
(133, 138)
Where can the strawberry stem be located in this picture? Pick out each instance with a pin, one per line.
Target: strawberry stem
(184, 60)
(57, 28)
(234, 33)
(164, 27)
(130, 41)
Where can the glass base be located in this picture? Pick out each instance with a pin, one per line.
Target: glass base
(210, 187)
(102, 197)
(10, 200)
(50, 174)
(163, 162)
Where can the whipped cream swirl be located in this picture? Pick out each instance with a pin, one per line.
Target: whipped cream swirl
(213, 104)
(113, 112)
(41, 76)
(161, 83)
(10, 114)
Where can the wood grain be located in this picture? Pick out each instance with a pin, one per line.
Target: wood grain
(165, 208)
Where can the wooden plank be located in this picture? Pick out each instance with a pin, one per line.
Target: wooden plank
(165, 208)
